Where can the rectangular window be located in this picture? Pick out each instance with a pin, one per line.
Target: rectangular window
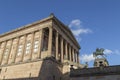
(28, 46)
(53, 43)
(36, 45)
(45, 39)
(6, 53)
(20, 47)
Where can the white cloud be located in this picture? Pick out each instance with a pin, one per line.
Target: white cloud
(81, 31)
(108, 51)
(114, 52)
(77, 29)
(87, 57)
(75, 22)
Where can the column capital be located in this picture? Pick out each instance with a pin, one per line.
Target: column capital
(50, 27)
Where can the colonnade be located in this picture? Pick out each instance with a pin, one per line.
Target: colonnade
(64, 49)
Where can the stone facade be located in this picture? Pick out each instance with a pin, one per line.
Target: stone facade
(96, 73)
(43, 50)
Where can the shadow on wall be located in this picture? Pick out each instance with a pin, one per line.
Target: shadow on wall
(50, 70)
(66, 76)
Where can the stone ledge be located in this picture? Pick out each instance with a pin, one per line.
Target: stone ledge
(18, 63)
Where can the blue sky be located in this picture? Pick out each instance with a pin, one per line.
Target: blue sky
(95, 23)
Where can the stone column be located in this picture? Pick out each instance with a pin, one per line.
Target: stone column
(24, 47)
(70, 52)
(32, 45)
(66, 50)
(50, 42)
(57, 45)
(40, 42)
(61, 49)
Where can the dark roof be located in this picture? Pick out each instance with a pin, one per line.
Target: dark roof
(97, 71)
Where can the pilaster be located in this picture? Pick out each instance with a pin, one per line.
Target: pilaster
(32, 45)
(9, 50)
(16, 50)
(40, 42)
(24, 47)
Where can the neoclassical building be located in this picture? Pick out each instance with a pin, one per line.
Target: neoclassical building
(43, 50)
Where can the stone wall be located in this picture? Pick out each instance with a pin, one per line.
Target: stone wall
(109, 77)
(46, 69)
(97, 73)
